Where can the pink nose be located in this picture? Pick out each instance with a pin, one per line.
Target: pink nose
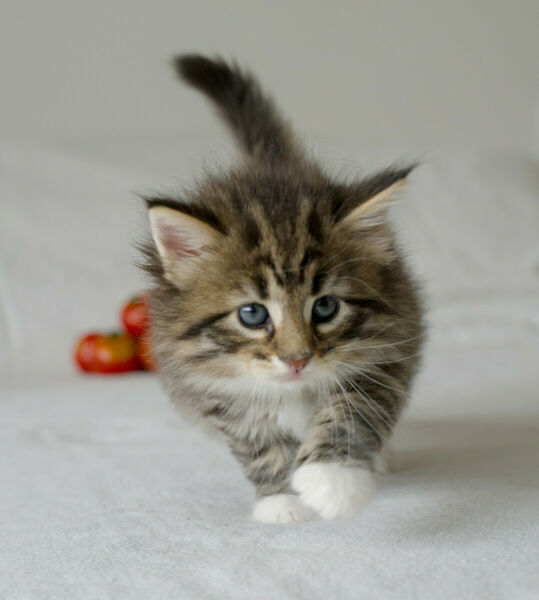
(296, 365)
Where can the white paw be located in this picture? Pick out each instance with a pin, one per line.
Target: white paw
(281, 508)
(333, 490)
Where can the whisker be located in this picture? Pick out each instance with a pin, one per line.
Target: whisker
(353, 260)
(397, 360)
(361, 372)
(371, 337)
(361, 414)
(356, 345)
(344, 415)
(333, 420)
(352, 344)
(388, 387)
(369, 287)
(351, 416)
(369, 399)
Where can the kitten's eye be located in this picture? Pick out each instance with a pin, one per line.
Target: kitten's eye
(253, 315)
(325, 308)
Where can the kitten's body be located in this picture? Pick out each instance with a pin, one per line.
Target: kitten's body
(306, 402)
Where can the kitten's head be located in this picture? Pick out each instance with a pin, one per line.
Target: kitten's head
(272, 277)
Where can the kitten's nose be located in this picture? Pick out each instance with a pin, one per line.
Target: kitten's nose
(296, 363)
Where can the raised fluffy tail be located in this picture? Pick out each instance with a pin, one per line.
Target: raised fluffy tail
(249, 113)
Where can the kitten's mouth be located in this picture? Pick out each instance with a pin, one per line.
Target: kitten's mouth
(291, 377)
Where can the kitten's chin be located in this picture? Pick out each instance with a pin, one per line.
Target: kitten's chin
(296, 379)
(310, 378)
(285, 383)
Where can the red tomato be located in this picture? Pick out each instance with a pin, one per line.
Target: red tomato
(135, 316)
(111, 353)
(85, 352)
(144, 353)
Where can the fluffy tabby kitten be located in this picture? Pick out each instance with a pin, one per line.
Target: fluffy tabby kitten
(282, 311)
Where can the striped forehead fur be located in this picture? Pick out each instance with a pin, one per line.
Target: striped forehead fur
(284, 220)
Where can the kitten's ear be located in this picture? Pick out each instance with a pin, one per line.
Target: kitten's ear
(373, 212)
(370, 217)
(181, 239)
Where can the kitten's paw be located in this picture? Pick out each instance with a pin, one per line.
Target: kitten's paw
(333, 490)
(281, 508)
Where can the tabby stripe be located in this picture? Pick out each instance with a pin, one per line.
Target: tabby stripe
(214, 411)
(193, 210)
(203, 356)
(310, 255)
(266, 260)
(196, 329)
(251, 233)
(314, 226)
(369, 303)
(261, 285)
(224, 338)
(351, 329)
(318, 281)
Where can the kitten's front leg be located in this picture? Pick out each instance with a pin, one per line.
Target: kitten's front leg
(336, 461)
(268, 465)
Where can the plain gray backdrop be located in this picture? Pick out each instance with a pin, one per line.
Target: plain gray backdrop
(413, 74)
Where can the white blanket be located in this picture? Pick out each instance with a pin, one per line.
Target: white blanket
(106, 492)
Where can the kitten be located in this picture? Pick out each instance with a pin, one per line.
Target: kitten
(282, 311)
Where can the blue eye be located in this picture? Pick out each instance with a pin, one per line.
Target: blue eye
(325, 308)
(253, 315)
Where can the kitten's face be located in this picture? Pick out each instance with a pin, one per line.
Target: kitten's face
(292, 332)
(275, 303)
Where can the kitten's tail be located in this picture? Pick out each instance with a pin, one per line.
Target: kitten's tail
(250, 114)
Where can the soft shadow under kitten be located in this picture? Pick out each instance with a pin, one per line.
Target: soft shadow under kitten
(282, 312)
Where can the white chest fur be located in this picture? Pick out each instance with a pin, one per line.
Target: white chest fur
(291, 413)
(294, 416)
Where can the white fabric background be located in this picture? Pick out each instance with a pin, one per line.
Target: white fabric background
(106, 492)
